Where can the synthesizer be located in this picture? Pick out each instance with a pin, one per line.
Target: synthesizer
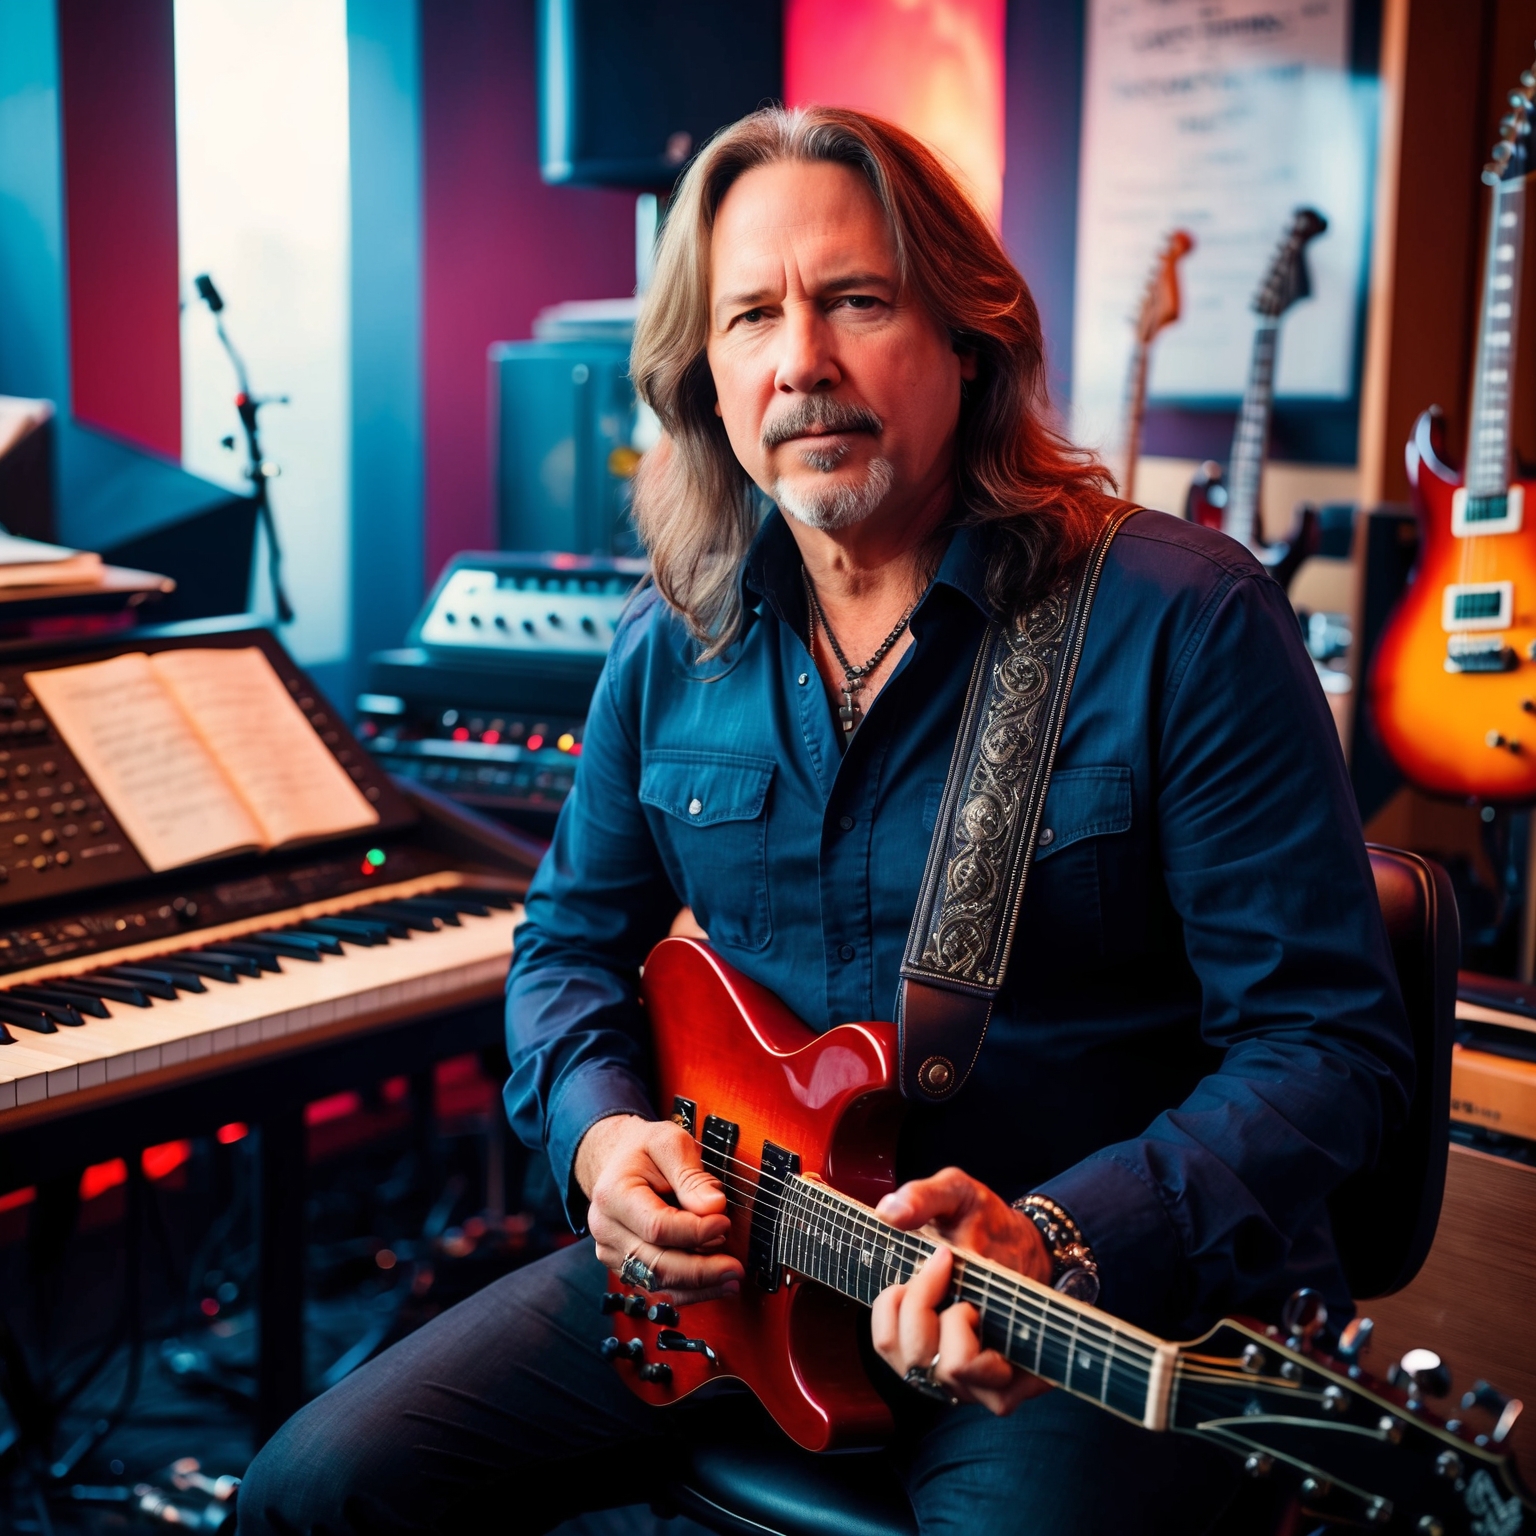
(116, 979)
(487, 701)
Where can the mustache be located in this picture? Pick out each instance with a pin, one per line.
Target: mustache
(816, 416)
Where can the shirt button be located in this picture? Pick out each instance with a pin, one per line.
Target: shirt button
(803, 679)
(846, 952)
(846, 823)
(1047, 837)
(695, 806)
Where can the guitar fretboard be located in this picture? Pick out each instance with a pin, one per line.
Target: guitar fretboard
(1245, 466)
(827, 1237)
(1488, 437)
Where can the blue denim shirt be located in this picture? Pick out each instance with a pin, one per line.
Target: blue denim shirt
(1201, 1033)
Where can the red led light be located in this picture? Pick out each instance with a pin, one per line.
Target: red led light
(369, 869)
(210, 1308)
(461, 733)
(228, 1135)
(535, 742)
(576, 750)
(490, 738)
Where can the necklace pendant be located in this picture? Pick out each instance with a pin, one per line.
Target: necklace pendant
(848, 712)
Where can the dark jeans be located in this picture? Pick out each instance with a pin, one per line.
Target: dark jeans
(500, 1416)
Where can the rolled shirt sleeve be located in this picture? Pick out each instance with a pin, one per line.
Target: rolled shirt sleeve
(1219, 1198)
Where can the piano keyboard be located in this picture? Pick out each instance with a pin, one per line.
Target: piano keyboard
(342, 962)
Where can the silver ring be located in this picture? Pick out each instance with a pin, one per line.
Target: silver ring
(635, 1271)
(924, 1379)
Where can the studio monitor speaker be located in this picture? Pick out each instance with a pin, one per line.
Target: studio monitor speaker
(629, 89)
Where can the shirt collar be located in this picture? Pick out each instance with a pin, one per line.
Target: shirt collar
(771, 572)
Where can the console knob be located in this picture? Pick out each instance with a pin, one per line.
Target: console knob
(613, 1301)
(657, 1371)
(621, 1349)
(634, 1306)
(662, 1312)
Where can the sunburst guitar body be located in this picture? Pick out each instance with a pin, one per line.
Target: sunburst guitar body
(1452, 689)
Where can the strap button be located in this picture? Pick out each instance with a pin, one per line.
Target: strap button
(935, 1075)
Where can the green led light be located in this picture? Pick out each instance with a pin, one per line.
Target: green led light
(375, 856)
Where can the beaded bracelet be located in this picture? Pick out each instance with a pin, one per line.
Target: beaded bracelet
(1074, 1270)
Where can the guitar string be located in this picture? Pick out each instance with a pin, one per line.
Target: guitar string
(967, 1286)
(913, 1247)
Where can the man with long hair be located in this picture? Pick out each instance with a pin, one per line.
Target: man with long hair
(1200, 1036)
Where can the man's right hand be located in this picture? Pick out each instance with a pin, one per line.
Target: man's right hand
(651, 1196)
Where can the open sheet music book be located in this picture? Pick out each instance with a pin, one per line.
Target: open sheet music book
(200, 753)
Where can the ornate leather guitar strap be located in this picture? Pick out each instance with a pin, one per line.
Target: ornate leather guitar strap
(985, 836)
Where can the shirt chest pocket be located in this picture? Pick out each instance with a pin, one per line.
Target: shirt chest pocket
(1085, 809)
(713, 834)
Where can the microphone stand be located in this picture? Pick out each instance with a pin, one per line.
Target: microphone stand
(258, 471)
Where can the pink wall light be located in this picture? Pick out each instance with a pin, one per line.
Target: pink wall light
(933, 67)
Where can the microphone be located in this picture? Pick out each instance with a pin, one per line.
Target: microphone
(208, 293)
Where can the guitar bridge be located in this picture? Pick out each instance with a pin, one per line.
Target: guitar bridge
(778, 1166)
(1479, 653)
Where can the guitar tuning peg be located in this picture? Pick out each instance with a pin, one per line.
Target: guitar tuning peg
(1304, 1315)
(1427, 1375)
(1356, 1338)
(1502, 1409)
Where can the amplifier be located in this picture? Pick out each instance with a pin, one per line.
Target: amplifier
(487, 701)
(1493, 1068)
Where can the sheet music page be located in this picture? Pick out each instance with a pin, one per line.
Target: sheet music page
(286, 775)
(146, 761)
(1220, 118)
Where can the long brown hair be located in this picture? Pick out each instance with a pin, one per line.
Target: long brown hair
(695, 506)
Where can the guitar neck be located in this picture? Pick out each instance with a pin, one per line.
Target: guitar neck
(1245, 465)
(827, 1237)
(1135, 410)
(1493, 369)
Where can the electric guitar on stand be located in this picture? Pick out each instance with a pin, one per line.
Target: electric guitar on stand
(1452, 690)
(1231, 499)
(800, 1130)
(1160, 306)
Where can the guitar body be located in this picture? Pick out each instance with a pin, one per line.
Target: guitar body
(1205, 503)
(1469, 734)
(726, 1046)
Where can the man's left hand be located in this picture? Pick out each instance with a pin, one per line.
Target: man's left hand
(908, 1327)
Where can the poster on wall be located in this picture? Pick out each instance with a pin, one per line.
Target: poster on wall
(1220, 117)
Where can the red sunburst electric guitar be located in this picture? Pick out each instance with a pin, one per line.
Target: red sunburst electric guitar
(800, 1129)
(1452, 690)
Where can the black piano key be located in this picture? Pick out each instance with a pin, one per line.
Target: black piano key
(265, 955)
(503, 901)
(205, 965)
(159, 972)
(400, 923)
(98, 986)
(354, 931)
(446, 901)
(444, 911)
(57, 998)
(28, 1018)
(242, 965)
(59, 1012)
(6, 1037)
(292, 940)
(156, 983)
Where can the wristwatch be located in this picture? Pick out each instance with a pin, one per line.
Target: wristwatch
(1074, 1270)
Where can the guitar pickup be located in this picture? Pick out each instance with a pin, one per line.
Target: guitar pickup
(1477, 605)
(1479, 653)
(1473, 516)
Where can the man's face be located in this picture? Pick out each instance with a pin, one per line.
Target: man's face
(839, 395)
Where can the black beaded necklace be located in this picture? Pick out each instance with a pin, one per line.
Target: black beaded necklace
(853, 677)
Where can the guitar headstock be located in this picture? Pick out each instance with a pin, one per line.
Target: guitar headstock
(1361, 1451)
(1160, 304)
(1511, 158)
(1287, 279)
